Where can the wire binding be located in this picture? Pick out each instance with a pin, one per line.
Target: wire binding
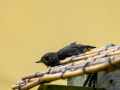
(85, 67)
(71, 59)
(49, 71)
(110, 61)
(36, 74)
(63, 73)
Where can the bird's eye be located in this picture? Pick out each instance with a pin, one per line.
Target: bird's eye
(47, 58)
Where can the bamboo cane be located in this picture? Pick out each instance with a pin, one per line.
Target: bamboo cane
(67, 74)
(75, 63)
(32, 84)
(110, 46)
(82, 65)
(27, 80)
(87, 70)
(39, 74)
(17, 86)
(83, 57)
(99, 61)
(60, 66)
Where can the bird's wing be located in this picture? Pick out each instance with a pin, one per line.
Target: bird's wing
(72, 49)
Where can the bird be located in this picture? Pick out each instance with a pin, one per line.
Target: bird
(52, 59)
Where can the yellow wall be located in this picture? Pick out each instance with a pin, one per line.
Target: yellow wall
(31, 28)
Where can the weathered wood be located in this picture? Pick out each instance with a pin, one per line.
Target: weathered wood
(109, 80)
(76, 81)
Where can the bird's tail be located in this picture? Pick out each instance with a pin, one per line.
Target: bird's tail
(91, 47)
(88, 48)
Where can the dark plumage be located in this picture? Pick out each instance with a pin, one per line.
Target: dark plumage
(53, 58)
(73, 49)
(50, 59)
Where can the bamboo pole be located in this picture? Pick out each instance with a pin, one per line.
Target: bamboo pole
(39, 74)
(75, 63)
(96, 50)
(17, 86)
(27, 80)
(67, 74)
(66, 65)
(79, 71)
(32, 84)
(86, 56)
(99, 61)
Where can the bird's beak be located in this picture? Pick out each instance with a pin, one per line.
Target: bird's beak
(38, 61)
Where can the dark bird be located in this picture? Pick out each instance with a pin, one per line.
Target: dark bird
(52, 58)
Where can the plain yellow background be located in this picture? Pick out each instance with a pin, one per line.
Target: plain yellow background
(31, 28)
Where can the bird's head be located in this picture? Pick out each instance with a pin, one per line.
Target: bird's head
(48, 59)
